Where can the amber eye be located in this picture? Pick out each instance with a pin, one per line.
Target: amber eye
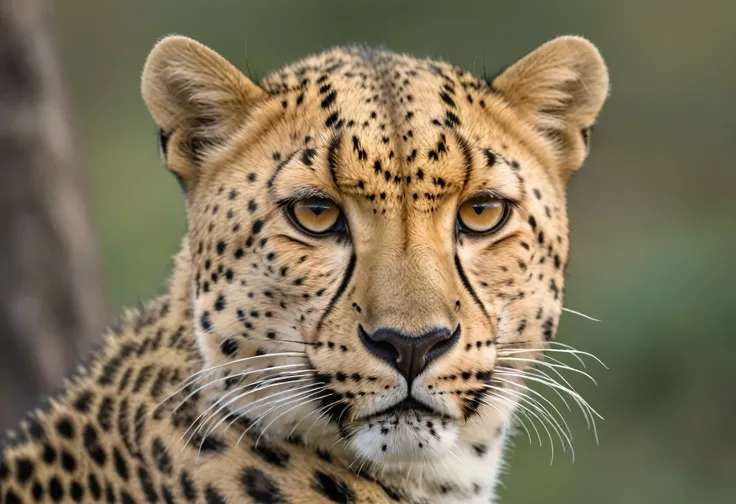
(317, 216)
(483, 214)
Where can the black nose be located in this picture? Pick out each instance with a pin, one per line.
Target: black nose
(409, 355)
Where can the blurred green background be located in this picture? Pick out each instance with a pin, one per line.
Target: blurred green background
(652, 212)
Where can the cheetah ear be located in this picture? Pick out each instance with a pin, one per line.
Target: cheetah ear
(197, 98)
(559, 88)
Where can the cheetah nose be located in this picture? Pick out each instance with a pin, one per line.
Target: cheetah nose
(409, 355)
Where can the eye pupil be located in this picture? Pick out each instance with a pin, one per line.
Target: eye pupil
(478, 209)
(318, 210)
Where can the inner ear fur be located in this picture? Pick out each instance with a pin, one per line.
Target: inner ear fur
(559, 88)
(196, 97)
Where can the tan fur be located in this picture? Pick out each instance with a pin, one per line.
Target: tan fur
(398, 143)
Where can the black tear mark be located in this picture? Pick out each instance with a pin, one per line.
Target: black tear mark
(469, 287)
(340, 290)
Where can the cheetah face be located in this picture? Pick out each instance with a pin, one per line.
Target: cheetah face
(369, 232)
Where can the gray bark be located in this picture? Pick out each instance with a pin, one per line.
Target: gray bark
(53, 303)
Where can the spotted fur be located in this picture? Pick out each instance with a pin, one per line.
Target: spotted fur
(248, 381)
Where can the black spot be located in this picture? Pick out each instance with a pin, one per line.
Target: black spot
(220, 247)
(257, 226)
(205, 321)
(332, 120)
(213, 496)
(65, 428)
(37, 490)
(125, 498)
(451, 120)
(548, 328)
(23, 470)
(553, 287)
(220, 303)
(332, 488)
(260, 487)
(229, 346)
(121, 466)
(56, 491)
(187, 487)
(533, 222)
(147, 485)
(272, 454)
(68, 462)
(49, 454)
(161, 456)
(212, 444)
(480, 449)
(76, 491)
(83, 401)
(490, 157)
(324, 455)
(446, 98)
(11, 498)
(104, 414)
(329, 99)
(92, 445)
(308, 156)
(94, 486)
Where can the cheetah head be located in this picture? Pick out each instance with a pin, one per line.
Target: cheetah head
(370, 233)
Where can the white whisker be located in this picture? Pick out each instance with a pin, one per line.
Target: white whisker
(568, 310)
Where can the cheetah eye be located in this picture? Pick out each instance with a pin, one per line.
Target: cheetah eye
(483, 215)
(316, 216)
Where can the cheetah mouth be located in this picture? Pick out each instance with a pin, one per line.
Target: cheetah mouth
(403, 407)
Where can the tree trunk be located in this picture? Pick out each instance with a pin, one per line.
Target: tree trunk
(53, 303)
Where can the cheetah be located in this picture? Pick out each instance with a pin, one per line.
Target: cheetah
(373, 265)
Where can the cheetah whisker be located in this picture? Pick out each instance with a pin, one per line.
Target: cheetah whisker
(545, 376)
(291, 409)
(224, 418)
(255, 403)
(580, 314)
(523, 396)
(551, 420)
(191, 377)
(290, 399)
(550, 365)
(326, 412)
(278, 378)
(523, 412)
(571, 351)
(224, 378)
(582, 403)
(532, 413)
(291, 432)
